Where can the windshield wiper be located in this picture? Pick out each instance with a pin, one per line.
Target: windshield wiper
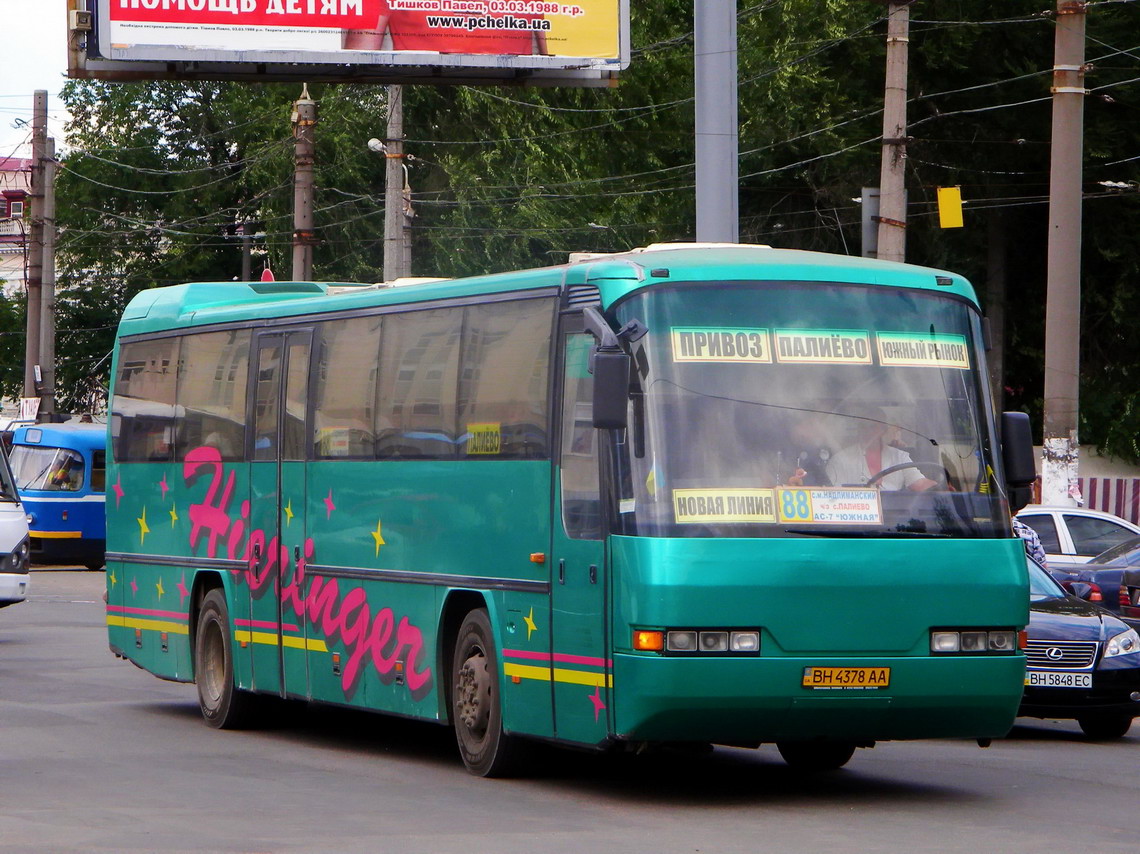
(864, 533)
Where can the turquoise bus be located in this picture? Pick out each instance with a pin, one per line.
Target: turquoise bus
(691, 493)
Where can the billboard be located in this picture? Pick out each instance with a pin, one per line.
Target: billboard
(362, 39)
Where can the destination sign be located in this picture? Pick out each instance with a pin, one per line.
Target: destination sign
(693, 344)
(695, 506)
(924, 350)
(823, 346)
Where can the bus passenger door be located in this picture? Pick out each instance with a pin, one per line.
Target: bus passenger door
(276, 510)
(580, 666)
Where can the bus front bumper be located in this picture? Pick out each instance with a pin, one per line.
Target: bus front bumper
(753, 700)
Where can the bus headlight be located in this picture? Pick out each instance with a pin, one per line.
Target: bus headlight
(681, 641)
(744, 641)
(706, 641)
(714, 641)
(973, 641)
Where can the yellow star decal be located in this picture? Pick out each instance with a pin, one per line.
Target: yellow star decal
(173, 515)
(289, 513)
(376, 535)
(530, 626)
(159, 588)
(144, 529)
(111, 575)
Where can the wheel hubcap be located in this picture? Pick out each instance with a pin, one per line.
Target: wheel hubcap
(213, 665)
(473, 695)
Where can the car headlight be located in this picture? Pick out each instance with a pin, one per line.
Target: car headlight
(17, 561)
(1125, 643)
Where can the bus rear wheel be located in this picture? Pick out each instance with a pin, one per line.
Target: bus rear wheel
(816, 755)
(476, 705)
(223, 705)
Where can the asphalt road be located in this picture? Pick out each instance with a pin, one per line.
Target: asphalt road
(96, 755)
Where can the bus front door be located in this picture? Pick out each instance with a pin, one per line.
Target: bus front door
(580, 665)
(276, 510)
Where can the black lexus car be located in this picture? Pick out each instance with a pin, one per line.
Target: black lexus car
(1082, 662)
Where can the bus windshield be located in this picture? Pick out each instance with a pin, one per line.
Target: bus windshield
(808, 409)
(45, 468)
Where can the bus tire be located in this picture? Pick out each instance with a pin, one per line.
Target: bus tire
(816, 755)
(476, 704)
(223, 704)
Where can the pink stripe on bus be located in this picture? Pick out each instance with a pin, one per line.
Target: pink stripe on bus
(558, 657)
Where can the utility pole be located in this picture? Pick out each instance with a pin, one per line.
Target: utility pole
(397, 242)
(1059, 457)
(892, 178)
(304, 127)
(47, 291)
(714, 88)
(36, 243)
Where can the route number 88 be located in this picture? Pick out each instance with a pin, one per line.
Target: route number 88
(796, 505)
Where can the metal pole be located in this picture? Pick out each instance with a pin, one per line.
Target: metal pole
(246, 246)
(34, 279)
(47, 299)
(995, 304)
(892, 179)
(304, 123)
(397, 252)
(718, 206)
(1059, 459)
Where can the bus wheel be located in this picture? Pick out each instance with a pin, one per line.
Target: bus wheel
(1105, 725)
(223, 705)
(476, 708)
(816, 755)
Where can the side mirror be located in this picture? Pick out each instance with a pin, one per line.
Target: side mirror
(1017, 458)
(611, 389)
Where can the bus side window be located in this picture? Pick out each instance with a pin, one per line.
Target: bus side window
(99, 471)
(504, 370)
(581, 495)
(212, 376)
(143, 412)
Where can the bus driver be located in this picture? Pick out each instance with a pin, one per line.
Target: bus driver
(871, 453)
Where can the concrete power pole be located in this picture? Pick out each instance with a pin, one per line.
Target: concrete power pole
(35, 243)
(1059, 459)
(304, 133)
(47, 291)
(397, 245)
(892, 179)
(718, 205)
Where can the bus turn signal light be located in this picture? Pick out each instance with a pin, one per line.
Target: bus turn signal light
(649, 641)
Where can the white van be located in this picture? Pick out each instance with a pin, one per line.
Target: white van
(14, 548)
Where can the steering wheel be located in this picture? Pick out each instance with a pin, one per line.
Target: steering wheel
(941, 477)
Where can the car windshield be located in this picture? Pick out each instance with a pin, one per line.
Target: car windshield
(1042, 586)
(1124, 554)
(808, 409)
(47, 469)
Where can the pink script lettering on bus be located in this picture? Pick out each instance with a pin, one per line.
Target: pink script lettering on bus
(369, 638)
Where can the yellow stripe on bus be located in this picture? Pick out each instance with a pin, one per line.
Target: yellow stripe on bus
(57, 535)
(270, 639)
(151, 625)
(576, 677)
